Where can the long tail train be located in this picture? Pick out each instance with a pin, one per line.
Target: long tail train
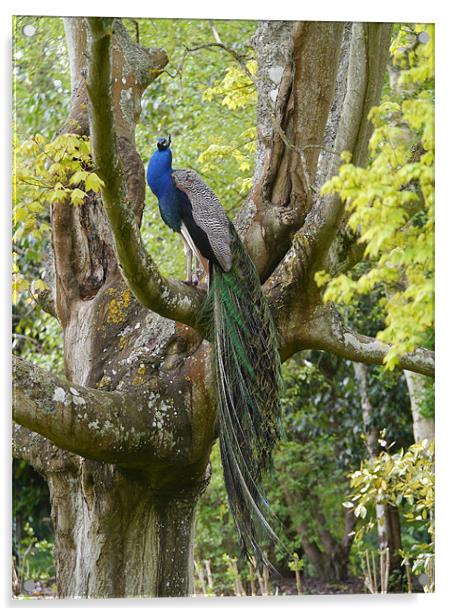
(248, 375)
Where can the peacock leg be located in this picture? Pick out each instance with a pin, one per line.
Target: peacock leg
(189, 254)
(190, 245)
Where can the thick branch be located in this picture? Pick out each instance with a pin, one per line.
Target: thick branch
(41, 453)
(302, 318)
(105, 426)
(296, 81)
(320, 326)
(364, 57)
(366, 68)
(346, 343)
(170, 298)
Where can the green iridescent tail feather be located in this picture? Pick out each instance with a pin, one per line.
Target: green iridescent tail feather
(248, 375)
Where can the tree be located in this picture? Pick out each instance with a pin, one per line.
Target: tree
(124, 440)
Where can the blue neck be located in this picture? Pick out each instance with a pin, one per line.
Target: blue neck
(159, 172)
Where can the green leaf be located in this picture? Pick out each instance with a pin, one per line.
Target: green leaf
(93, 183)
(78, 178)
(77, 196)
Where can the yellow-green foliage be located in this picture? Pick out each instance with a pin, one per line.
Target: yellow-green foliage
(395, 479)
(404, 480)
(241, 149)
(413, 51)
(47, 173)
(236, 87)
(391, 202)
(237, 91)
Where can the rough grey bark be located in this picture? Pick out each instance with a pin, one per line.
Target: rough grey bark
(124, 486)
(133, 541)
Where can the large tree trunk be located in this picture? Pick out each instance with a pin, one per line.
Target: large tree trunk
(117, 537)
(124, 520)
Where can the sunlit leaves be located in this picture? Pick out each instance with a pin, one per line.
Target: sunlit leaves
(41, 76)
(241, 150)
(404, 479)
(236, 88)
(78, 178)
(392, 478)
(413, 51)
(390, 204)
(235, 91)
(77, 196)
(47, 173)
(93, 182)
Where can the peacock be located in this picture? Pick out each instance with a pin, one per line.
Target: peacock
(238, 322)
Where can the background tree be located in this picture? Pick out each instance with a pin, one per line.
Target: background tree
(124, 439)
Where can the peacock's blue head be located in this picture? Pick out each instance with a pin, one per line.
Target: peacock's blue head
(163, 143)
(159, 167)
(163, 156)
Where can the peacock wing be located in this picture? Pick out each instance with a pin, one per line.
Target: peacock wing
(208, 214)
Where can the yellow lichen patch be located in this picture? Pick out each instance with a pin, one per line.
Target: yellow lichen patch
(117, 307)
(122, 343)
(138, 378)
(126, 295)
(103, 382)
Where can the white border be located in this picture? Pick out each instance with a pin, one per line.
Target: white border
(338, 10)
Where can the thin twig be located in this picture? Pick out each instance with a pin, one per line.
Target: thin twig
(240, 592)
(200, 575)
(409, 577)
(207, 564)
(373, 560)
(298, 582)
(258, 575)
(385, 579)
(266, 579)
(368, 576)
(23, 337)
(252, 577)
(214, 31)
